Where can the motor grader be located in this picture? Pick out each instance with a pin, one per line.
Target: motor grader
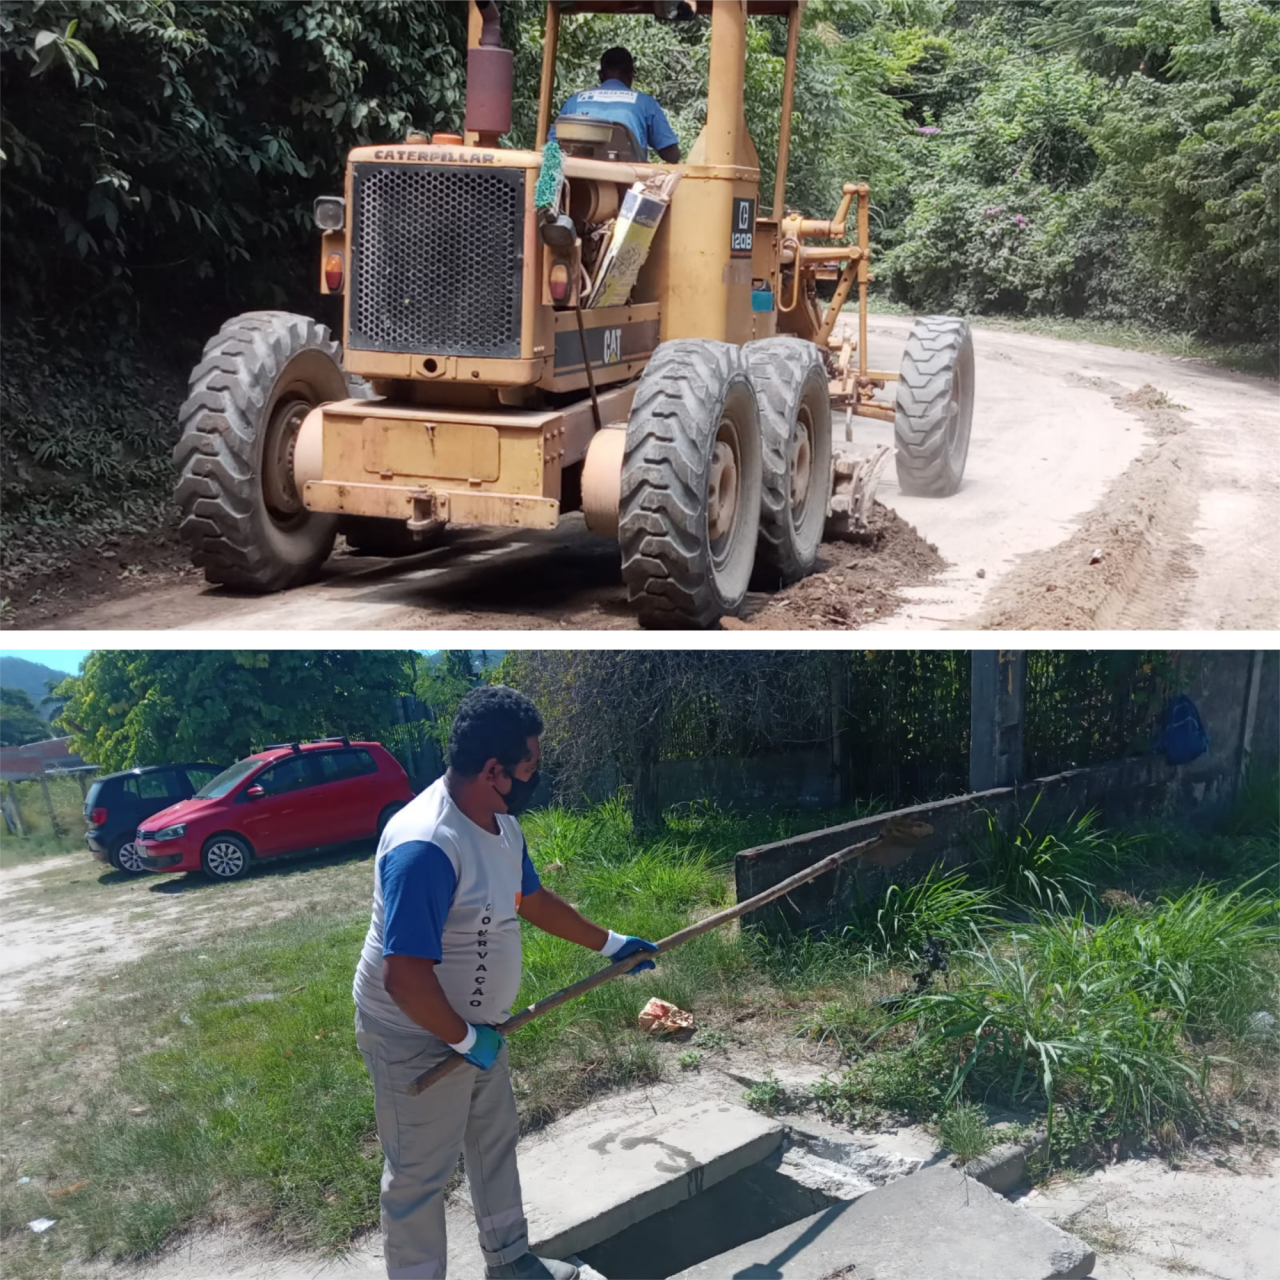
(476, 385)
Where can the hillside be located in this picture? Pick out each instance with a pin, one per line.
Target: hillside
(31, 677)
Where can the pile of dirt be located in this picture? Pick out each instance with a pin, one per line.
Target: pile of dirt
(854, 584)
(1122, 566)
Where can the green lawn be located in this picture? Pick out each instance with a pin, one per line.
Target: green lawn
(221, 1080)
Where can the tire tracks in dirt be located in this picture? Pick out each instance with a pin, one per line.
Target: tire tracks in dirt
(1126, 564)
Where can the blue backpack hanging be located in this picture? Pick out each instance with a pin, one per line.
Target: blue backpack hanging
(1184, 737)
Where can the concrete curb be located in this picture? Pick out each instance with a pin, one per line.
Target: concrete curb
(1003, 1167)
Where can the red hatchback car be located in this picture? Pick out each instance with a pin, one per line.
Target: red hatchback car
(295, 797)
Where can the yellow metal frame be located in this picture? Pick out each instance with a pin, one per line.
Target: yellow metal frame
(464, 439)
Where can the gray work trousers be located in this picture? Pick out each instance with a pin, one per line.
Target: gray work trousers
(469, 1110)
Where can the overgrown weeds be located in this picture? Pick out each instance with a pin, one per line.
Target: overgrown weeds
(941, 904)
(1048, 866)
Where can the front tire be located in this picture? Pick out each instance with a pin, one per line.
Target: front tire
(689, 513)
(242, 514)
(127, 857)
(790, 378)
(933, 413)
(226, 858)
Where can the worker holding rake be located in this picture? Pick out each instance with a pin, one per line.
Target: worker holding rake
(440, 967)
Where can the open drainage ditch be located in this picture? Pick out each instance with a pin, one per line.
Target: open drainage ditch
(799, 1179)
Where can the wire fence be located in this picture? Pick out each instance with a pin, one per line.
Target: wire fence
(1086, 706)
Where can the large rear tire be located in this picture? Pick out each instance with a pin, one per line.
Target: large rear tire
(934, 409)
(242, 515)
(689, 513)
(791, 384)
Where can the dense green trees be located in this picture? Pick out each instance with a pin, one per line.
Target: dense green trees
(1117, 158)
(20, 722)
(148, 706)
(158, 152)
(1112, 158)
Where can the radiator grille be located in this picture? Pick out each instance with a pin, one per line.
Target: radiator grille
(436, 259)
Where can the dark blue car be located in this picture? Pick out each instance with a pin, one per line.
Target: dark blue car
(118, 803)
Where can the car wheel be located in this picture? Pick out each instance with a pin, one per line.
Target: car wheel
(226, 858)
(386, 815)
(126, 856)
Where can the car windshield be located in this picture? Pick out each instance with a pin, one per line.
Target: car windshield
(227, 779)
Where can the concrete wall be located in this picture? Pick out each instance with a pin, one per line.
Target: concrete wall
(1122, 791)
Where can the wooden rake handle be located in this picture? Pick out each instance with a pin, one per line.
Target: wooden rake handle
(894, 843)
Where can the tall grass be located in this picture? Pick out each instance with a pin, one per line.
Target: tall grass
(1108, 1016)
(941, 904)
(1207, 954)
(1049, 867)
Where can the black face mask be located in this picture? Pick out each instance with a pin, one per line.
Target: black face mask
(520, 796)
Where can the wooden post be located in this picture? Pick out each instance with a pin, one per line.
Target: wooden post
(1250, 714)
(999, 688)
(837, 690)
(48, 803)
(15, 808)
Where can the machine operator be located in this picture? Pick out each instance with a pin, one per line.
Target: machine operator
(616, 101)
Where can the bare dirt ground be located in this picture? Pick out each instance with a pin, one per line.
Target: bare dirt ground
(68, 923)
(1151, 1222)
(1165, 466)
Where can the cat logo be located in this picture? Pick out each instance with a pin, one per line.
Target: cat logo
(612, 346)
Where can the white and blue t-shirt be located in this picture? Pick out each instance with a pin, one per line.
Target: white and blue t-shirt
(614, 102)
(447, 890)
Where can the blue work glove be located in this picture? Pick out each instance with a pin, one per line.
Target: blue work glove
(484, 1048)
(620, 947)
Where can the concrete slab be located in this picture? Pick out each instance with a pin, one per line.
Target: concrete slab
(593, 1181)
(918, 1226)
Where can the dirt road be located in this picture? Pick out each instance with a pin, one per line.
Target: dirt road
(1166, 467)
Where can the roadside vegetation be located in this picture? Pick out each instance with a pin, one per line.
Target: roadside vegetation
(1060, 161)
(43, 837)
(1258, 358)
(1111, 987)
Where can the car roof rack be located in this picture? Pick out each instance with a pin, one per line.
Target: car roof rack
(341, 737)
(295, 747)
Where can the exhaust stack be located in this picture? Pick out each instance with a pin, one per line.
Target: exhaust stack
(490, 79)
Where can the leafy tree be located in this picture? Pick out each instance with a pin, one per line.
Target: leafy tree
(443, 681)
(20, 722)
(142, 706)
(151, 145)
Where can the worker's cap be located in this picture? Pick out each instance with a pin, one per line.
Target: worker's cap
(617, 61)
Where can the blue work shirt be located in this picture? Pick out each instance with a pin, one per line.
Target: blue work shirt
(614, 102)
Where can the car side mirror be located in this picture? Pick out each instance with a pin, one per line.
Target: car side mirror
(255, 792)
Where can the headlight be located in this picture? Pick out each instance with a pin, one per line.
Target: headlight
(330, 213)
(171, 833)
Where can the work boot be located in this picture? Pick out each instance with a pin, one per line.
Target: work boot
(530, 1267)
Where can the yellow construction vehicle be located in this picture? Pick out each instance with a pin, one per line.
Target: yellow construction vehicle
(689, 416)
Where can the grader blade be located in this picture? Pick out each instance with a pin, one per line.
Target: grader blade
(853, 492)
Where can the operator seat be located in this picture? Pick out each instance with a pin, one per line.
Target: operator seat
(596, 139)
